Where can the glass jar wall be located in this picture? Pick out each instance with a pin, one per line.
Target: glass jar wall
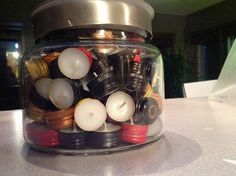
(92, 91)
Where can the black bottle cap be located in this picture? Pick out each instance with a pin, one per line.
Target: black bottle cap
(77, 89)
(100, 64)
(121, 64)
(103, 140)
(104, 137)
(135, 81)
(54, 70)
(149, 67)
(41, 102)
(147, 110)
(102, 85)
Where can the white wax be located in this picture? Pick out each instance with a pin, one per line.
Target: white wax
(73, 63)
(61, 93)
(90, 114)
(108, 128)
(155, 128)
(120, 106)
(42, 87)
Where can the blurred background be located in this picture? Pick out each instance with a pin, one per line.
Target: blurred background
(193, 36)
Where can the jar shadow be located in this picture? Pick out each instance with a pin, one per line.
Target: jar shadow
(170, 152)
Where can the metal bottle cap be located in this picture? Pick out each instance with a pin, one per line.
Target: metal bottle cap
(132, 16)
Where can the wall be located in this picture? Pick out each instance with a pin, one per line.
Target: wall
(163, 23)
(208, 29)
(218, 15)
(18, 11)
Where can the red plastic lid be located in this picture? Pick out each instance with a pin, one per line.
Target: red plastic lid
(88, 54)
(137, 59)
(134, 134)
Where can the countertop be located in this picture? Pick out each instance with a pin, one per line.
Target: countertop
(199, 139)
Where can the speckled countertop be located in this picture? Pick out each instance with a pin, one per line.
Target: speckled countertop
(199, 139)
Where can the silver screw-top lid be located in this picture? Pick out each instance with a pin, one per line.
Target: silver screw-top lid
(127, 15)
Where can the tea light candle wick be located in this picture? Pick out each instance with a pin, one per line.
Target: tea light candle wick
(132, 121)
(105, 126)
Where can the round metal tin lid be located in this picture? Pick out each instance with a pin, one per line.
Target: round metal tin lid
(132, 16)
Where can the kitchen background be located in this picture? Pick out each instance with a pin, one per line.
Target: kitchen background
(193, 36)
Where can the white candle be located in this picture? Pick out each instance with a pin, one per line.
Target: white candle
(120, 106)
(61, 93)
(90, 114)
(73, 63)
(155, 128)
(108, 128)
(42, 87)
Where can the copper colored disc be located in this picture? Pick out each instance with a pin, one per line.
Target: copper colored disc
(50, 57)
(43, 68)
(57, 125)
(37, 68)
(33, 73)
(61, 119)
(59, 114)
(35, 113)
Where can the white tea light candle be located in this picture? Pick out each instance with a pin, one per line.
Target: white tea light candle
(90, 114)
(120, 106)
(42, 87)
(73, 63)
(61, 93)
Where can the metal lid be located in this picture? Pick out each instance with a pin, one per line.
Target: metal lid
(127, 15)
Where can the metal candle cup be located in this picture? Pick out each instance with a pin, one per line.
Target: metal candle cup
(72, 139)
(108, 136)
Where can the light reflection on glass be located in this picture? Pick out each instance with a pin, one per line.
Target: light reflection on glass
(126, 14)
(16, 45)
(18, 126)
(102, 14)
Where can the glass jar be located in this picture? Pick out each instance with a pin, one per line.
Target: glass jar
(93, 86)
